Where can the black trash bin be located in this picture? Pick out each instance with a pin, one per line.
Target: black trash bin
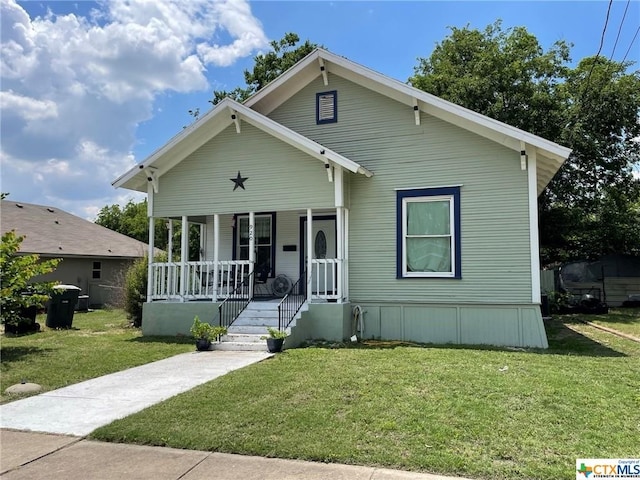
(62, 305)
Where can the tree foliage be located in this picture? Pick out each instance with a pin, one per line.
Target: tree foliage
(132, 221)
(16, 274)
(284, 54)
(592, 108)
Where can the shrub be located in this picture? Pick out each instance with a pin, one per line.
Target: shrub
(135, 290)
(17, 293)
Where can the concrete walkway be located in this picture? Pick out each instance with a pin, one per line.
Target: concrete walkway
(27, 455)
(81, 408)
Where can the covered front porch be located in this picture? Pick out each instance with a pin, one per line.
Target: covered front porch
(255, 255)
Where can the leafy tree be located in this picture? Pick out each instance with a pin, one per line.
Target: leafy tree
(132, 220)
(592, 108)
(16, 273)
(284, 54)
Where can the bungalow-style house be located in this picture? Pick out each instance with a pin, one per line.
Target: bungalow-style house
(352, 193)
(94, 258)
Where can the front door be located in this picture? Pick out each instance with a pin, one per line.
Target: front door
(323, 247)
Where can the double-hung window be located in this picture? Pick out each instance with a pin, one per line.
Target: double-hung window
(429, 233)
(264, 240)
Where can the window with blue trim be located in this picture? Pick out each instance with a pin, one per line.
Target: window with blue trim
(428, 230)
(327, 107)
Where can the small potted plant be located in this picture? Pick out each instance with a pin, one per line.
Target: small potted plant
(204, 333)
(275, 340)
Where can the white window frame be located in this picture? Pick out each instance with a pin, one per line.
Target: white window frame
(452, 236)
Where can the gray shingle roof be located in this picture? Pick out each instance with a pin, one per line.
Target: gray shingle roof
(50, 231)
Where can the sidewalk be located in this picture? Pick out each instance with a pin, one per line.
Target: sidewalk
(28, 455)
(81, 408)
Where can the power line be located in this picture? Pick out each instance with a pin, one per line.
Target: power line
(632, 40)
(624, 15)
(595, 60)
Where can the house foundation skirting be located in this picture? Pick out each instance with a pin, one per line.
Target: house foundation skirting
(481, 324)
(501, 325)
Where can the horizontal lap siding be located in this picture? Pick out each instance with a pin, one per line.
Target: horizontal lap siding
(279, 177)
(381, 134)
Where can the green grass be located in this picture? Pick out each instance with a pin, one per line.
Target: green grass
(100, 342)
(440, 409)
(625, 320)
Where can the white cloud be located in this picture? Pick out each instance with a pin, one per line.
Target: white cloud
(74, 88)
(27, 108)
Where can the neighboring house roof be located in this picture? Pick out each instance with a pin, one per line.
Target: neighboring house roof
(550, 154)
(53, 232)
(224, 114)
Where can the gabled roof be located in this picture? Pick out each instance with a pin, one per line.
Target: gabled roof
(550, 155)
(224, 114)
(52, 232)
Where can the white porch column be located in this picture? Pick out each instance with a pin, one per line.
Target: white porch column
(216, 253)
(339, 252)
(150, 279)
(170, 270)
(338, 186)
(309, 251)
(533, 223)
(252, 250)
(345, 284)
(184, 257)
(170, 241)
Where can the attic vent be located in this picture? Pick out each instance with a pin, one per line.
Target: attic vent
(327, 107)
(49, 209)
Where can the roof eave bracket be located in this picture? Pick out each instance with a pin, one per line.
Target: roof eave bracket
(523, 156)
(236, 120)
(323, 71)
(152, 176)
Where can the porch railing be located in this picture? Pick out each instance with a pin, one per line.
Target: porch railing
(325, 279)
(291, 303)
(235, 303)
(200, 279)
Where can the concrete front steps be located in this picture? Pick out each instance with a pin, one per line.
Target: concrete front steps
(246, 332)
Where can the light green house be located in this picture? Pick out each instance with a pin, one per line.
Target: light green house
(421, 215)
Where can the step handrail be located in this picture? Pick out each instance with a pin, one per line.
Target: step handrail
(235, 303)
(291, 303)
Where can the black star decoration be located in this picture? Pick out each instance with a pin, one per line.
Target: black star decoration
(239, 181)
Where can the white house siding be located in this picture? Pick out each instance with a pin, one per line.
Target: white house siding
(280, 177)
(381, 134)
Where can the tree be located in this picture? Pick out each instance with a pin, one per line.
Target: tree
(592, 108)
(284, 54)
(132, 221)
(16, 274)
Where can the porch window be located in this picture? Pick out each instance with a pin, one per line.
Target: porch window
(429, 233)
(264, 240)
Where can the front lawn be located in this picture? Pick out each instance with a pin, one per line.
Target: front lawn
(476, 412)
(100, 342)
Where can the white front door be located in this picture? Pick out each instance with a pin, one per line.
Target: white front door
(323, 247)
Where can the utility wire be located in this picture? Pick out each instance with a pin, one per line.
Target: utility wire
(624, 15)
(595, 60)
(632, 40)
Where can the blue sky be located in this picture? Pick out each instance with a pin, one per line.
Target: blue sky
(89, 89)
